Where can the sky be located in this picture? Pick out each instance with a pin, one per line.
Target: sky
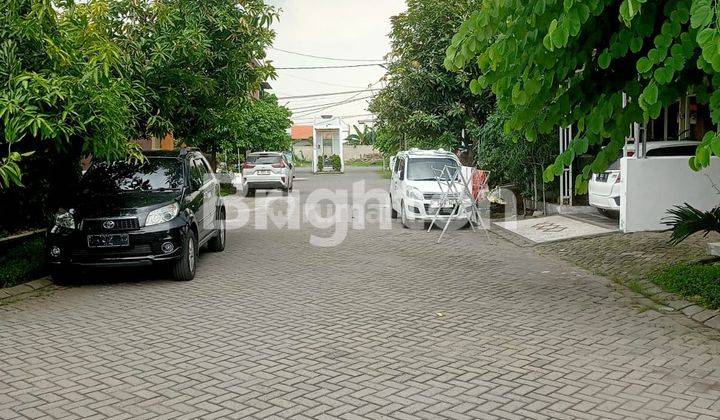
(343, 29)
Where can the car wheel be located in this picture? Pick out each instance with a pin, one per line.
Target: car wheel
(403, 216)
(610, 214)
(62, 276)
(249, 192)
(393, 212)
(184, 268)
(217, 243)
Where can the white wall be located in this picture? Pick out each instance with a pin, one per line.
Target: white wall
(350, 152)
(652, 186)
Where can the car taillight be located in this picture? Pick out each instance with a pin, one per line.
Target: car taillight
(618, 179)
(247, 165)
(630, 153)
(278, 165)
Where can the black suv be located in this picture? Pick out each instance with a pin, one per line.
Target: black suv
(128, 214)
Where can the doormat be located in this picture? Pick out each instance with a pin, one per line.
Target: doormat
(552, 228)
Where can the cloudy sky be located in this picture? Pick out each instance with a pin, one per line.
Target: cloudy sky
(340, 29)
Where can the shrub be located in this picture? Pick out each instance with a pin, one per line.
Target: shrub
(227, 189)
(336, 163)
(22, 262)
(321, 163)
(693, 281)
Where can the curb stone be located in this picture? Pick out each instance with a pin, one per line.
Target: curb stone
(704, 315)
(713, 322)
(21, 289)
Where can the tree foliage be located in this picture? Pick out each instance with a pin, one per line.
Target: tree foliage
(519, 164)
(423, 104)
(87, 77)
(555, 63)
(365, 136)
(259, 126)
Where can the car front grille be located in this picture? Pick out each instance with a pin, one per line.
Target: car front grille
(117, 225)
(445, 211)
(603, 177)
(437, 196)
(135, 251)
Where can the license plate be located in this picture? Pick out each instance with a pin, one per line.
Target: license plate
(108, 241)
(263, 172)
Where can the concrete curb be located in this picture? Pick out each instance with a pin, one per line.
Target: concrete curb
(29, 287)
(707, 317)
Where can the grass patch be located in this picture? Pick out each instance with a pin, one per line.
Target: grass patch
(22, 262)
(636, 287)
(695, 282)
(363, 162)
(227, 189)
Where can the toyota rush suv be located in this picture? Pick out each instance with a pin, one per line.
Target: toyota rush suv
(161, 210)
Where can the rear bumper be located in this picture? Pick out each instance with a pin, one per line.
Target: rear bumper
(265, 181)
(145, 247)
(605, 202)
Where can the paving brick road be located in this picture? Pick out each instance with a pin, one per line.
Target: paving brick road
(386, 325)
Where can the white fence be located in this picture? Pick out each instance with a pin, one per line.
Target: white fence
(652, 186)
(349, 152)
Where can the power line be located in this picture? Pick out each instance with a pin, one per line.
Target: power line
(320, 57)
(328, 94)
(347, 100)
(307, 112)
(324, 83)
(347, 66)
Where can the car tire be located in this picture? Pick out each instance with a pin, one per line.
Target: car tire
(403, 216)
(217, 243)
(249, 192)
(184, 269)
(610, 214)
(62, 276)
(393, 212)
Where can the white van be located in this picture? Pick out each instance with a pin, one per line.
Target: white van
(415, 193)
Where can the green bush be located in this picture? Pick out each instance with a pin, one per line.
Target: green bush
(336, 163)
(227, 189)
(700, 283)
(22, 262)
(321, 163)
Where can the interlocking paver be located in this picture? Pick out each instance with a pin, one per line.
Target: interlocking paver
(274, 327)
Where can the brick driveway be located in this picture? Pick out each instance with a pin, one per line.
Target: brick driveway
(276, 327)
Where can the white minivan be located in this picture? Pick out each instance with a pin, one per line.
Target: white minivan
(415, 193)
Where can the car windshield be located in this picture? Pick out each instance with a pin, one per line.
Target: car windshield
(263, 159)
(156, 174)
(428, 169)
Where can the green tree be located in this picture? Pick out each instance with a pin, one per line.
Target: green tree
(257, 126)
(423, 104)
(197, 61)
(555, 63)
(366, 136)
(63, 85)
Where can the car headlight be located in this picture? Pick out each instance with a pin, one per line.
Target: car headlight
(415, 193)
(162, 215)
(65, 219)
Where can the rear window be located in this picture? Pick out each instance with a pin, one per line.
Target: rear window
(156, 174)
(263, 159)
(688, 150)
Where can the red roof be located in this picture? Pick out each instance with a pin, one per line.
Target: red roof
(301, 132)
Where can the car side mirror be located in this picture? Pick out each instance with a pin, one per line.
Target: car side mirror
(194, 184)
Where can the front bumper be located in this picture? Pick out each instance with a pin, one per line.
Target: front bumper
(144, 248)
(427, 210)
